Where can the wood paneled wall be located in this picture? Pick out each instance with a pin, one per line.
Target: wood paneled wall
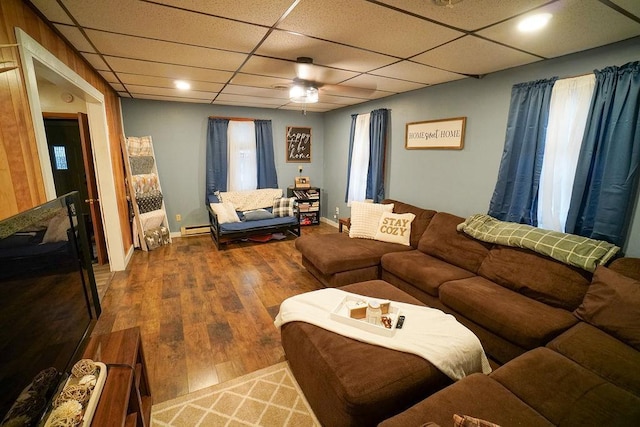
(21, 182)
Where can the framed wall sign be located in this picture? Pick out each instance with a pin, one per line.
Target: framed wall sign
(298, 144)
(444, 134)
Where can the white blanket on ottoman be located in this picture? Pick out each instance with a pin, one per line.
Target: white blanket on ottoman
(427, 332)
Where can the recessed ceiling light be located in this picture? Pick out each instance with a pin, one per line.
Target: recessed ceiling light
(534, 22)
(182, 85)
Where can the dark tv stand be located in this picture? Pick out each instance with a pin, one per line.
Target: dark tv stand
(126, 396)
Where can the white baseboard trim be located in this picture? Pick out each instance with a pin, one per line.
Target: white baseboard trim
(328, 221)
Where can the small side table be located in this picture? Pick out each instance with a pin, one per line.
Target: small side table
(343, 222)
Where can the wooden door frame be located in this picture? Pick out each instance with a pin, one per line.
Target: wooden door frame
(32, 53)
(88, 160)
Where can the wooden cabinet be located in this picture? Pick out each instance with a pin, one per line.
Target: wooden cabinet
(308, 204)
(126, 397)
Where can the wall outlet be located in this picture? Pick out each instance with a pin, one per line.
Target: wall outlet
(337, 214)
(178, 217)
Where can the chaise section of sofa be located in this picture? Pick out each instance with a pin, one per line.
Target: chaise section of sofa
(337, 260)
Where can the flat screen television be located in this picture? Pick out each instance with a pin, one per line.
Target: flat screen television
(48, 305)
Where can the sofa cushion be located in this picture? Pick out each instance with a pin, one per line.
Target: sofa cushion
(477, 395)
(365, 218)
(629, 267)
(566, 393)
(336, 252)
(442, 240)
(612, 304)
(419, 224)
(536, 276)
(521, 320)
(423, 271)
(602, 354)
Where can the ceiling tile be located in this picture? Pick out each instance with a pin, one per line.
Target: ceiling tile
(52, 11)
(96, 61)
(367, 25)
(411, 71)
(141, 80)
(251, 99)
(468, 15)
(256, 91)
(282, 44)
(631, 6)
(576, 25)
(171, 98)
(159, 51)
(472, 55)
(178, 72)
(109, 76)
(314, 108)
(75, 37)
(385, 83)
(124, 95)
(165, 91)
(257, 12)
(125, 16)
(118, 87)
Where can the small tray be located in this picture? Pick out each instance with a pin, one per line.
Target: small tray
(351, 305)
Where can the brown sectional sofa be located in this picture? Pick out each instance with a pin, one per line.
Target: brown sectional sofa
(557, 369)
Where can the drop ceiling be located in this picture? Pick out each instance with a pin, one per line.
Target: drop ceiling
(243, 52)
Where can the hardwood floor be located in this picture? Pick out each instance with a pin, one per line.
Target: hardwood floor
(206, 316)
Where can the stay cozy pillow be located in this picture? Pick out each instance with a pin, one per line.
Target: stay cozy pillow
(395, 228)
(225, 212)
(611, 304)
(365, 218)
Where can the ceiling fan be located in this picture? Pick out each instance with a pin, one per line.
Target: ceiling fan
(308, 84)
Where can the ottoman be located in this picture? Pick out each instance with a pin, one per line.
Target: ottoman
(350, 383)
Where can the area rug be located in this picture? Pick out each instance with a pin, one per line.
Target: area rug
(269, 397)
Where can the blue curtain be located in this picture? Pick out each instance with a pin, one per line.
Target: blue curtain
(378, 138)
(352, 133)
(216, 157)
(606, 180)
(515, 197)
(267, 175)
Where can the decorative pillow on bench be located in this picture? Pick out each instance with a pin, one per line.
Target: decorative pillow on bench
(225, 212)
(283, 206)
(257, 214)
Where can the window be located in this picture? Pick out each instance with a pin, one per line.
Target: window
(243, 170)
(60, 156)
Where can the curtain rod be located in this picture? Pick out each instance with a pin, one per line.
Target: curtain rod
(237, 119)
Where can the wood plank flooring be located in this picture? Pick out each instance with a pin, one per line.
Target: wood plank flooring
(206, 316)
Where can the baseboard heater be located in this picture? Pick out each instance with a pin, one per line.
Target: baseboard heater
(194, 230)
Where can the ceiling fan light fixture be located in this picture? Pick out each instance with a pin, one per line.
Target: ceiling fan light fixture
(303, 94)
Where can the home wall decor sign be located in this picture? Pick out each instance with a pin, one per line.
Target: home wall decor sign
(444, 134)
(298, 144)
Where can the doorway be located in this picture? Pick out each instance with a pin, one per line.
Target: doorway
(71, 158)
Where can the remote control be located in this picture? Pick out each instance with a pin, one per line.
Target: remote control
(400, 322)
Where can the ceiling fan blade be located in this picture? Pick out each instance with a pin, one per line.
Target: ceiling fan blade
(350, 91)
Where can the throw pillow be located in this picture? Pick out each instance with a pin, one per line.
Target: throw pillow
(257, 214)
(611, 304)
(365, 218)
(395, 228)
(283, 206)
(467, 421)
(225, 212)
